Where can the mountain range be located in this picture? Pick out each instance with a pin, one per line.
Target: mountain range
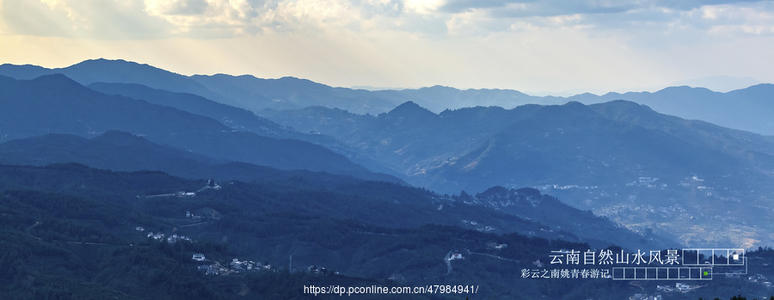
(139, 154)
(596, 156)
(57, 104)
(232, 117)
(72, 231)
(256, 94)
(621, 159)
(242, 91)
(392, 187)
(162, 129)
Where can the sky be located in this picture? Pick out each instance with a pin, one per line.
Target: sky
(539, 47)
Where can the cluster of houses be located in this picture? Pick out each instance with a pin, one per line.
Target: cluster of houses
(213, 269)
(496, 246)
(180, 194)
(190, 215)
(237, 266)
(648, 182)
(247, 265)
(759, 278)
(234, 267)
(678, 287)
(478, 226)
(158, 236)
(697, 183)
(318, 270)
(176, 237)
(211, 185)
(202, 214)
(455, 255)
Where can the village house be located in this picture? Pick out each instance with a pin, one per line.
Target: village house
(198, 257)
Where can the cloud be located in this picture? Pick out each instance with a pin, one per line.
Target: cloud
(176, 7)
(106, 19)
(543, 8)
(535, 8)
(114, 19)
(579, 44)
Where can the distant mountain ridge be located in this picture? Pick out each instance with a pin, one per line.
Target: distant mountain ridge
(754, 103)
(289, 93)
(242, 91)
(57, 104)
(745, 109)
(89, 166)
(115, 71)
(139, 154)
(230, 116)
(623, 160)
(620, 159)
(410, 137)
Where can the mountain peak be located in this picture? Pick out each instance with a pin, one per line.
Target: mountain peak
(762, 90)
(762, 85)
(408, 104)
(116, 65)
(625, 109)
(502, 196)
(438, 88)
(57, 80)
(495, 190)
(120, 138)
(105, 61)
(410, 109)
(565, 110)
(574, 104)
(684, 89)
(506, 192)
(117, 135)
(624, 103)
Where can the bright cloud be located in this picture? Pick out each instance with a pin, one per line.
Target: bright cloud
(113, 19)
(545, 45)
